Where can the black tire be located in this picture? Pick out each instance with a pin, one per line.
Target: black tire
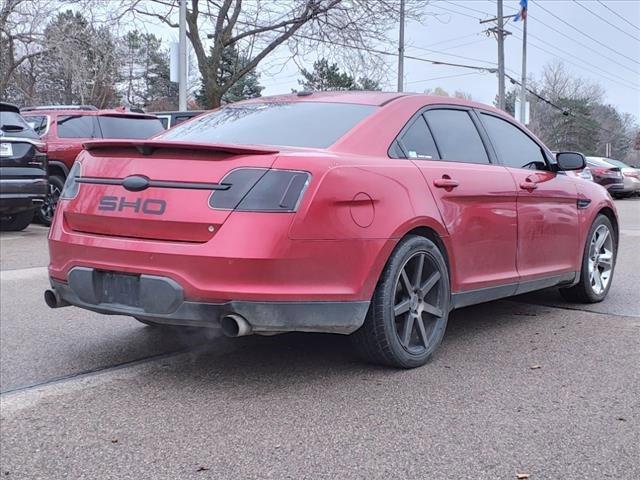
(586, 291)
(44, 214)
(16, 222)
(398, 335)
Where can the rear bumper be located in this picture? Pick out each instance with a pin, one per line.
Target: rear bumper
(249, 258)
(631, 185)
(21, 194)
(162, 300)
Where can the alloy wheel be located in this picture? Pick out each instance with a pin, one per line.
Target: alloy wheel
(418, 307)
(49, 206)
(601, 257)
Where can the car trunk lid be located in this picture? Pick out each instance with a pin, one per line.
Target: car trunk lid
(156, 190)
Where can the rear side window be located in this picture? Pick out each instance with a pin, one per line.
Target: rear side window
(513, 146)
(456, 135)
(13, 125)
(294, 124)
(76, 126)
(129, 127)
(418, 142)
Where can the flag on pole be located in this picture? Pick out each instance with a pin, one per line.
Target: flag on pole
(522, 14)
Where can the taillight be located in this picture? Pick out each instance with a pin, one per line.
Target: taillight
(71, 185)
(40, 147)
(261, 190)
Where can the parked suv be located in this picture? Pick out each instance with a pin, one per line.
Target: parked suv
(66, 128)
(23, 170)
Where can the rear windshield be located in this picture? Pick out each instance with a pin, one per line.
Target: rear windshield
(598, 162)
(617, 163)
(296, 124)
(129, 127)
(13, 125)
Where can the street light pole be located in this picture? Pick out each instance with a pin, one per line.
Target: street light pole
(182, 57)
(523, 80)
(401, 49)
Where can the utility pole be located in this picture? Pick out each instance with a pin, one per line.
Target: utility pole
(523, 80)
(401, 49)
(182, 57)
(500, 57)
(500, 34)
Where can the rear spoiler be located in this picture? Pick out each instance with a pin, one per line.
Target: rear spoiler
(147, 147)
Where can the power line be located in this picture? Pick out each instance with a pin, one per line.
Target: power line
(618, 15)
(585, 34)
(598, 72)
(620, 81)
(486, 14)
(565, 112)
(449, 48)
(444, 77)
(456, 12)
(605, 20)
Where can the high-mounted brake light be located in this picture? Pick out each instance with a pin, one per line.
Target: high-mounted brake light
(261, 190)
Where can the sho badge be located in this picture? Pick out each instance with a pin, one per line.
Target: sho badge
(150, 206)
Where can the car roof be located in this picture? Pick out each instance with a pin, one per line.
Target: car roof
(178, 112)
(8, 107)
(368, 98)
(113, 112)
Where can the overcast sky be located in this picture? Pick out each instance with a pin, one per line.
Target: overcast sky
(452, 33)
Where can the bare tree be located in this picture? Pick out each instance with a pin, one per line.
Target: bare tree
(21, 35)
(256, 28)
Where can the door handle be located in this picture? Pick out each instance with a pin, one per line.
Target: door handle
(445, 182)
(528, 185)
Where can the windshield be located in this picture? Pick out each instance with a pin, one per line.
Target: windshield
(129, 127)
(617, 163)
(599, 162)
(295, 124)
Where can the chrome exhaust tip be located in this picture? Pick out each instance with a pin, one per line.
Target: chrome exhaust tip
(53, 300)
(234, 325)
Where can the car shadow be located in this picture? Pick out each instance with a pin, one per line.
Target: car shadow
(299, 358)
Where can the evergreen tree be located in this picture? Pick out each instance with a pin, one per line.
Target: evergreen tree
(248, 86)
(328, 77)
(145, 71)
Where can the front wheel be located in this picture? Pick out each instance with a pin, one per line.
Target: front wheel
(410, 307)
(598, 262)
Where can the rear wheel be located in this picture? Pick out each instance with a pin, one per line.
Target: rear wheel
(45, 213)
(16, 222)
(598, 262)
(410, 307)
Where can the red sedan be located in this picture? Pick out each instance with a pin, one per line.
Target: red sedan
(371, 214)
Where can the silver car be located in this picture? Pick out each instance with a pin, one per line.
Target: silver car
(630, 175)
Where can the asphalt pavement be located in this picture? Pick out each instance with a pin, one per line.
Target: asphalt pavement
(530, 385)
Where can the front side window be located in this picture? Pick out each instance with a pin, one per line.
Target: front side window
(293, 124)
(418, 142)
(76, 126)
(38, 123)
(120, 126)
(456, 135)
(514, 147)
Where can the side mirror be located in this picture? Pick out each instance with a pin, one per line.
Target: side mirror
(570, 161)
